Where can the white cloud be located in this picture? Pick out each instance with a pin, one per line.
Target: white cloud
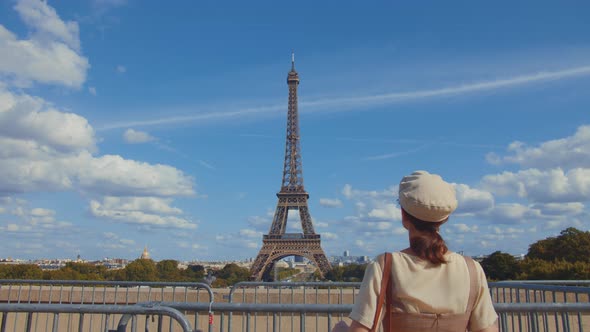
(136, 137)
(45, 22)
(35, 221)
(560, 209)
(259, 222)
(193, 246)
(30, 120)
(92, 90)
(118, 176)
(51, 55)
(136, 211)
(114, 242)
(109, 174)
(146, 204)
(235, 240)
(570, 152)
(39, 212)
(294, 225)
(400, 231)
(508, 213)
(387, 212)
(378, 225)
(543, 186)
(250, 233)
(330, 203)
(508, 230)
(321, 224)
(472, 200)
(387, 194)
(110, 235)
(462, 228)
(121, 69)
(329, 236)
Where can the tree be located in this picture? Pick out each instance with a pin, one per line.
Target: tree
(141, 270)
(20, 271)
(500, 266)
(194, 273)
(350, 272)
(286, 272)
(232, 273)
(572, 245)
(168, 270)
(538, 269)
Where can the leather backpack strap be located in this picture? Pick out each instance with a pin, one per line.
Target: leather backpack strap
(388, 299)
(473, 284)
(383, 290)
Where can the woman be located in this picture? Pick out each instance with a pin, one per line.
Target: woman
(432, 288)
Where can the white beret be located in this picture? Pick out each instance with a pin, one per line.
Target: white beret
(427, 196)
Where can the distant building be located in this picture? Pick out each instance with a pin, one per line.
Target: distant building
(298, 259)
(346, 259)
(145, 254)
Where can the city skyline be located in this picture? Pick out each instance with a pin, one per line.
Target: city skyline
(126, 123)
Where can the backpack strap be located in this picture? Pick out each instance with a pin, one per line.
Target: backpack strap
(385, 282)
(473, 284)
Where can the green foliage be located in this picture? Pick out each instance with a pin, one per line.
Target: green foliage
(537, 269)
(572, 245)
(168, 270)
(286, 272)
(141, 270)
(20, 271)
(194, 273)
(350, 272)
(500, 266)
(231, 274)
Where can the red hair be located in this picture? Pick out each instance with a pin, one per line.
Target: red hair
(427, 242)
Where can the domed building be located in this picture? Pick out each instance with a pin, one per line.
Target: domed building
(145, 254)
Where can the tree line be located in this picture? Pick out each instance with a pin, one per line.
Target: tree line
(138, 270)
(564, 257)
(558, 258)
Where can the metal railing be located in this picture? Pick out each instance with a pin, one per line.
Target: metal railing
(80, 323)
(532, 312)
(303, 293)
(545, 295)
(305, 306)
(107, 293)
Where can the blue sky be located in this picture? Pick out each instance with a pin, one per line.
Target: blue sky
(133, 123)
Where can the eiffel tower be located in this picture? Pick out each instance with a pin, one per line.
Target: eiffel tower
(277, 244)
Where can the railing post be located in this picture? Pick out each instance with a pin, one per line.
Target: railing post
(29, 322)
(3, 323)
(302, 322)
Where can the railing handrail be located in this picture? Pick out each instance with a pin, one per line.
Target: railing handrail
(544, 282)
(536, 286)
(542, 307)
(134, 309)
(196, 285)
(308, 284)
(346, 308)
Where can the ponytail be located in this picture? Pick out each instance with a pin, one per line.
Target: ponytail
(427, 242)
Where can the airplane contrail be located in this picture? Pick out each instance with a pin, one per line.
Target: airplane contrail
(365, 101)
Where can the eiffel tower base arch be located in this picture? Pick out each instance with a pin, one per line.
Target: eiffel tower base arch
(275, 249)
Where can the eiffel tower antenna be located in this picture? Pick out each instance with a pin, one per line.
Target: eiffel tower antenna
(278, 244)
